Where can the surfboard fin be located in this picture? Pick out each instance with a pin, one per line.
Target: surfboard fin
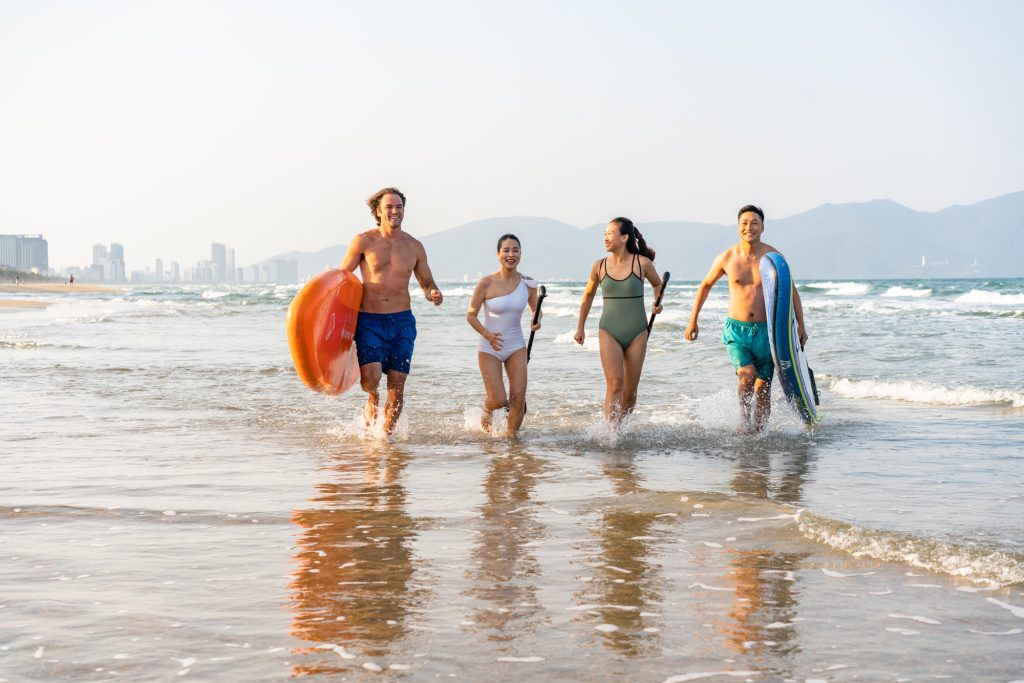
(814, 387)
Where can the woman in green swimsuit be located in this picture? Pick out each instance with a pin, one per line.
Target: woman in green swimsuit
(623, 326)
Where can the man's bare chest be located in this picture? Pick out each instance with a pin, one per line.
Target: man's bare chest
(396, 259)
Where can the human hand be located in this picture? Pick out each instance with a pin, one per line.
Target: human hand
(657, 309)
(494, 339)
(690, 334)
(435, 296)
(802, 333)
(580, 336)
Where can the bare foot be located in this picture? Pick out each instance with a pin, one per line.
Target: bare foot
(369, 413)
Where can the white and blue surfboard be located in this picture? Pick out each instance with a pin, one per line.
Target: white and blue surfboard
(795, 376)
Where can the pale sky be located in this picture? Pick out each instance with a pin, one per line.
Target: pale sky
(265, 125)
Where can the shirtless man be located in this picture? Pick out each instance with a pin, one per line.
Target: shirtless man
(746, 329)
(387, 258)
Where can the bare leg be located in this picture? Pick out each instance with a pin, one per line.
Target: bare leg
(490, 371)
(515, 367)
(369, 380)
(747, 376)
(633, 365)
(396, 399)
(612, 360)
(763, 409)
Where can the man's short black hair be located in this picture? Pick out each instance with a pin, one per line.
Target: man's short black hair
(751, 207)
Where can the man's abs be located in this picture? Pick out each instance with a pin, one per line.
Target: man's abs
(746, 303)
(385, 297)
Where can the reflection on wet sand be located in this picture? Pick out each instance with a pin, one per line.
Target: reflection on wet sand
(762, 618)
(626, 590)
(505, 572)
(354, 586)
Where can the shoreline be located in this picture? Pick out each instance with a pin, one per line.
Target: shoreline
(23, 303)
(55, 288)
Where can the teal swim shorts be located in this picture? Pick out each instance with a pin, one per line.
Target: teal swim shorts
(747, 344)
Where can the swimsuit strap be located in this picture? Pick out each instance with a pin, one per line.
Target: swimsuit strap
(604, 264)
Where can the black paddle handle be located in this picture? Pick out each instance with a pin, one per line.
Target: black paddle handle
(657, 300)
(536, 318)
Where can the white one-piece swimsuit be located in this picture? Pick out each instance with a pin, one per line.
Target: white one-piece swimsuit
(504, 314)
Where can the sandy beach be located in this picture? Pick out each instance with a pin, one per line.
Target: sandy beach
(55, 288)
(47, 288)
(23, 303)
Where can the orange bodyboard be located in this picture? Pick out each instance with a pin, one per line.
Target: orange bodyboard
(321, 327)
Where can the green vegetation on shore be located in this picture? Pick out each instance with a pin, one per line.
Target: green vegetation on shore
(9, 274)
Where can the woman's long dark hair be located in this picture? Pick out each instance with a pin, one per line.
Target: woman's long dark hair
(636, 244)
(508, 236)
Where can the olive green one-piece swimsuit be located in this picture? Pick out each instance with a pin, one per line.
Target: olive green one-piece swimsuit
(623, 314)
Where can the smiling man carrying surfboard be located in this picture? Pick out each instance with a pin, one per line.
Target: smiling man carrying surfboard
(746, 329)
(387, 259)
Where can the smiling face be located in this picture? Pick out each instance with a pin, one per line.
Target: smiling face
(509, 253)
(613, 238)
(391, 211)
(750, 227)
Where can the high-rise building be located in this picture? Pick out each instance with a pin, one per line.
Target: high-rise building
(218, 257)
(229, 267)
(175, 272)
(110, 263)
(25, 252)
(159, 270)
(117, 262)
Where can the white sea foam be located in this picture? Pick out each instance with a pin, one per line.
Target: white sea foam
(920, 620)
(214, 294)
(451, 292)
(590, 343)
(974, 564)
(1013, 609)
(698, 675)
(841, 288)
(907, 292)
(977, 296)
(925, 392)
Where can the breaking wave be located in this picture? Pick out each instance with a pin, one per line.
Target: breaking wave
(925, 392)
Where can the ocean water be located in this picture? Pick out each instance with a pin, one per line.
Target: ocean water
(175, 505)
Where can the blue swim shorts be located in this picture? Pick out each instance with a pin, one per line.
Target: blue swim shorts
(386, 338)
(747, 344)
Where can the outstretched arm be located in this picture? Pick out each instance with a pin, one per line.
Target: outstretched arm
(586, 302)
(717, 271)
(425, 278)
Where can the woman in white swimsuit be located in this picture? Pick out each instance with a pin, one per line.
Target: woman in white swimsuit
(504, 296)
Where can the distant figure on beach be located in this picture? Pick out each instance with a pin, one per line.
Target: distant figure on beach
(623, 326)
(504, 295)
(387, 257)
(71, 279)
(745, 334)
(17, 279)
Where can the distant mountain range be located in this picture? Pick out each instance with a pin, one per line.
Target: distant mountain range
(877, 239)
